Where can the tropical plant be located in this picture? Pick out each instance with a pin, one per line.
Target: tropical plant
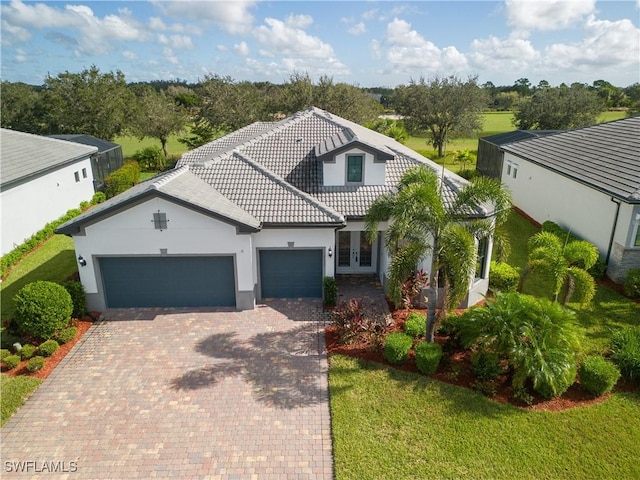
(565, 265)
(422, 221)
(539, 339)
(625, 348)
(463, 157)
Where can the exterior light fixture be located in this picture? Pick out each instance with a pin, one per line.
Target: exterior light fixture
(330, 252)
(82, 261)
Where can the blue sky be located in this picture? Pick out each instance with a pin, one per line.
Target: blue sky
(366, 43)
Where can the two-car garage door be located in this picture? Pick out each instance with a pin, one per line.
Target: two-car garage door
(168, 281)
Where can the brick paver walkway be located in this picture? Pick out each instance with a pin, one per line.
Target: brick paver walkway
(171, 393)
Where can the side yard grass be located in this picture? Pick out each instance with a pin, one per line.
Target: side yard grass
(15, 390)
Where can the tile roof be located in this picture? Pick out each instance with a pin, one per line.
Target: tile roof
(26, 155)
(287, 152)
(103, 145)
(179, 185)
(605, 157)
(517, 135)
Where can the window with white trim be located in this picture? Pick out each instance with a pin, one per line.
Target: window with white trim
(635, 238)
(355, 168)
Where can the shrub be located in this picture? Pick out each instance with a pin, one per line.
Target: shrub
(353, 325)
(122, 179)
(66, 335)
(428, 357)
(76, 291)
(632, 283)
(469, 173)
(415, 325)
(329, 291)
(35, 364)
(486, 365)
(598, 269)
(12, 361)
(42, 308)
(625, 347)
(150, 158)
(396, 347)
(503, 277)
(98, 197)
(48, 348)
(598, 375)
(27, 351)
(4, 353)
(555, 383)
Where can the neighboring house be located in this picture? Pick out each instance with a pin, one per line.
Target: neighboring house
(41, 179)
(108, 159)
(266, 211)
(490, 159)
(588, 181)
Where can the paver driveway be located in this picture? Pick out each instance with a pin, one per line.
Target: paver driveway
(171, 393)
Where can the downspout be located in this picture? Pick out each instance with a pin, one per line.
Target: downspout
(613, 229)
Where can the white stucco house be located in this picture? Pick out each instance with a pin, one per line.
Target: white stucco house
(586, 180)
(266, 211)
(41, 178)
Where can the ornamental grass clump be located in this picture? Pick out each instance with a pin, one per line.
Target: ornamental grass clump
(598, 375)
(396, 348)
(428, 357)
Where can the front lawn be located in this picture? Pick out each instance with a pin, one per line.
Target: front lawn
(392, 424)
(15, 391)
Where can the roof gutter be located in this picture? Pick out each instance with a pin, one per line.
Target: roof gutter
(613, 229)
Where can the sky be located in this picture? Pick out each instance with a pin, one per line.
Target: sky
(364, 43)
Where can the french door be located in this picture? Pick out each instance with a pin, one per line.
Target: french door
(355, 253)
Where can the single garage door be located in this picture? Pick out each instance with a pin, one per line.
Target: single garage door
(291, 273)
(168, 281)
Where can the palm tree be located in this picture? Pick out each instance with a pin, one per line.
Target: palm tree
(565, 264)
(422, 221)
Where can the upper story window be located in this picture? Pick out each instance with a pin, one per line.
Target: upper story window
(76, 176)
(84, 173)
(355, 167)
(512, 169)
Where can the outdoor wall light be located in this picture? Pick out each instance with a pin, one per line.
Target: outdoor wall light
(330, 252)
(82, 261)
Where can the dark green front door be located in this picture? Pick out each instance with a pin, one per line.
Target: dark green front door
(168, 281)
(291, 273)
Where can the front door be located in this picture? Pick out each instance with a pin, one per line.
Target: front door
(355, 253)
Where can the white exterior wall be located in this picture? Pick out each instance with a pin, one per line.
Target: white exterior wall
(28, 207)
(545, 195)
(335, 173)
(132, 232)
(301, 238)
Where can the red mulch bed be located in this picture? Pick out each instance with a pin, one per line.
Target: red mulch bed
(53, 361)
(455, 368)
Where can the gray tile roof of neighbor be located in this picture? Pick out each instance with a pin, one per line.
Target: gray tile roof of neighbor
(605, 157)
(179, 185)
(24, 155)
(103, 145)
(517, 136)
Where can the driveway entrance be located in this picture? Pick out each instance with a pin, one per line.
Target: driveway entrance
(184, 393)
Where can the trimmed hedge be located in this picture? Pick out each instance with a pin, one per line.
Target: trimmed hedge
(122, 179)
(35, 364)
(48, 348)
(625, 345)
(329, 291)
(396, 347)
(42, 308)
(598, 375)
(78, 298)
(503, 277)
(415, 325)
(632, 283)
(11, 362)
(27, 351)
(4, 353)
(66, 335)
(428, 357)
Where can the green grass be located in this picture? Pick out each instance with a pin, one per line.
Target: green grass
(15, 391)
(391, 424)
(54, 260)
(131, 145)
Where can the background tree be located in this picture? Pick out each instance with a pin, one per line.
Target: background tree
(22, 108)
(88, 102)
(444, 107)
(558, 108)
(421, 221)
(159, 116)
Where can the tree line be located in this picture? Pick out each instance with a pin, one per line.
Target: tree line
(105, 105)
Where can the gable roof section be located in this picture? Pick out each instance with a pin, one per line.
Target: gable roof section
(345, 140)
(103, 145)
(605, 157)
(25, 155)
(180, 186)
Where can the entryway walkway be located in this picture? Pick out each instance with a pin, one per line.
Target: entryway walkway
(180, 393)
(367, 289)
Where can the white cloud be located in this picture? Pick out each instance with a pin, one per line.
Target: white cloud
(241, 48)
(21, 55)
(370, 14)
(221, 48)
(176, 41)
(232, 17)
(129, 55)
(170, 56)
(408, 51)
(357, 29)
(299, 21)
(284, 38)
(513, 54)
(14, 32)
(546, 14)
